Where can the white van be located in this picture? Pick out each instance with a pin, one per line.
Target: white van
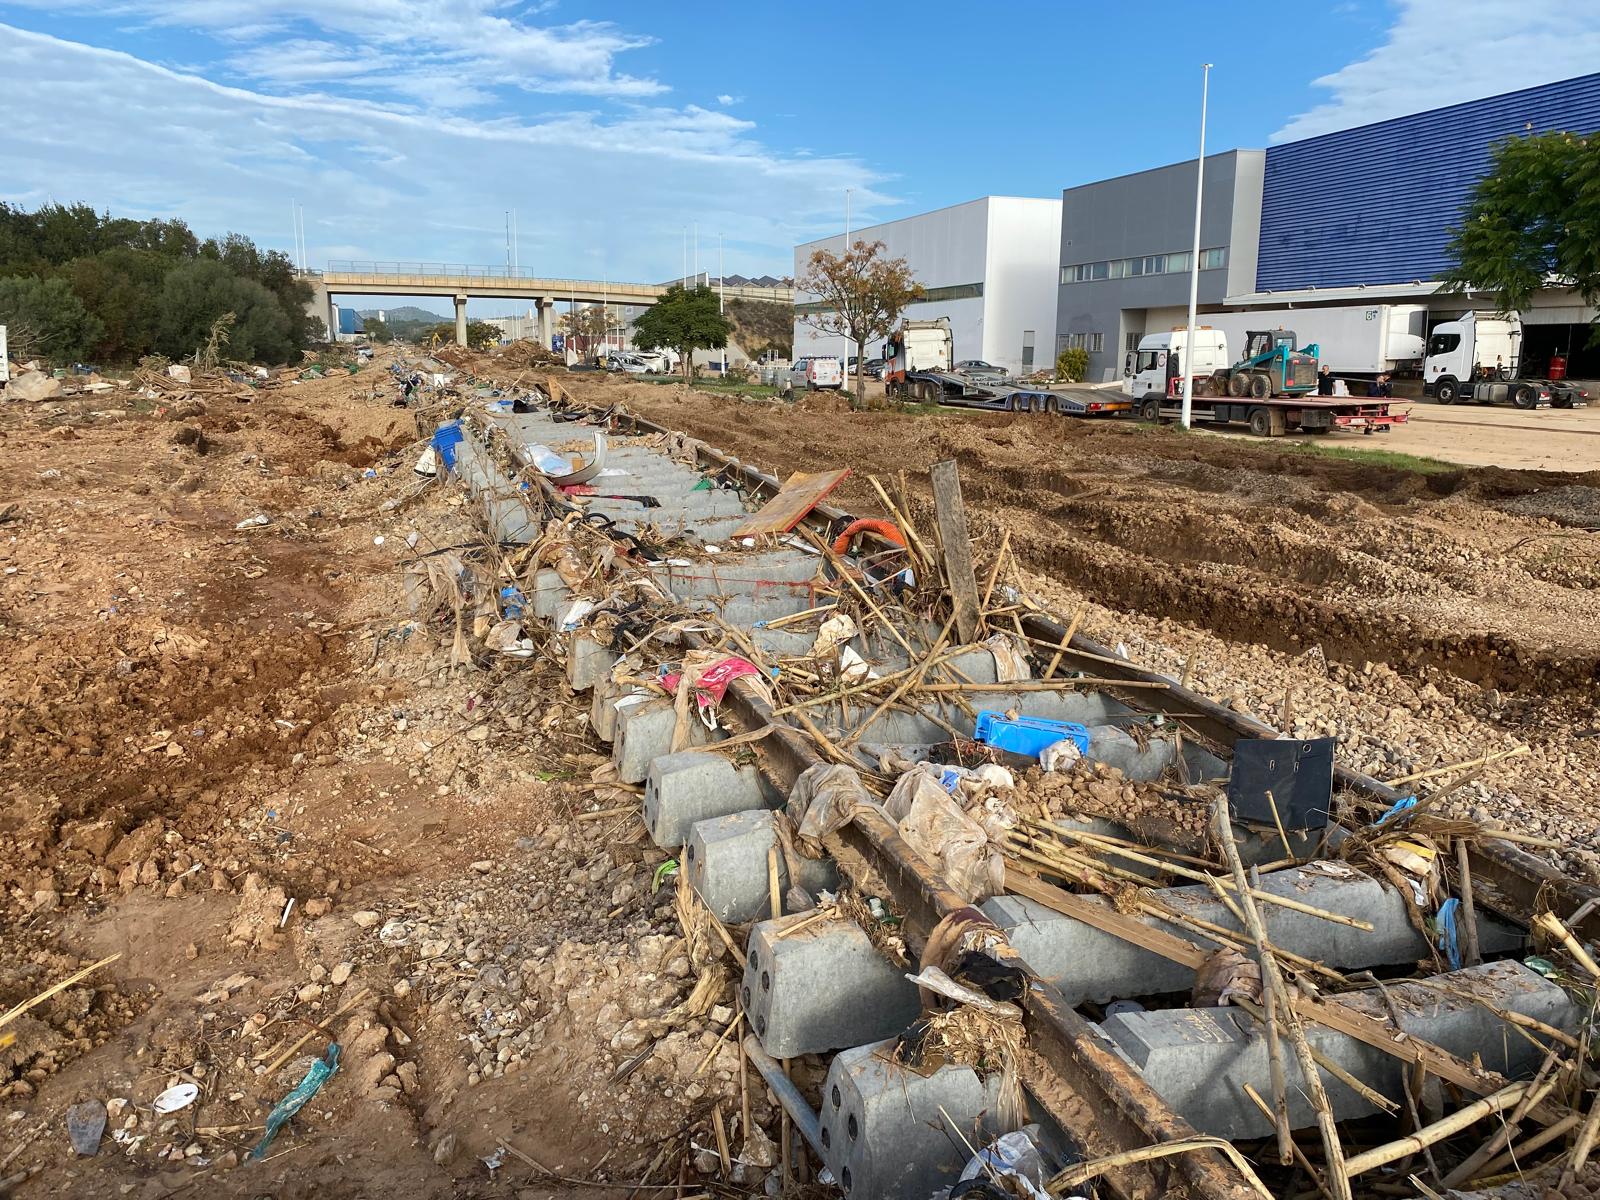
(816, 373)
(1156, 368)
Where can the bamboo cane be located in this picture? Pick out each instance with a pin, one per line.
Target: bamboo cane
(1333, 1152)
(1201, 877)
(1431, 1134)
(1482, 760)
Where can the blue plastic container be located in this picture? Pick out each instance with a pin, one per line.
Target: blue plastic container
(1027, 735)
(445, 440)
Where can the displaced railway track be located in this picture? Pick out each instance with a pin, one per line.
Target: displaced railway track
(752, 598)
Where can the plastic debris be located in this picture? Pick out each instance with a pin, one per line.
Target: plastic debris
(1445, 923)
(86, 1122)
(177, 1097)
(298, 1097)
(1028, 735)
(1011, 1157)
(254, 522)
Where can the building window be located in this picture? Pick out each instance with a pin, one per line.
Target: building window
(1130, 342)
(1027, 351)
(1176, 263)
(1092, 342)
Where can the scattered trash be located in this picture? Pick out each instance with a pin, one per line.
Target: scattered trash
(308, 1087)
(176, 1098)
(180, 372)
(86, 1122)
(378, 541)
(427, 462)
(255, 522)
(1028, 736)
(1010, 1157)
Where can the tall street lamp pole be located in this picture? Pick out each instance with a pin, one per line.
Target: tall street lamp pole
(1187, 362)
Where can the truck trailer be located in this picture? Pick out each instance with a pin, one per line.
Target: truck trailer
(1363, 340)
(918, 360)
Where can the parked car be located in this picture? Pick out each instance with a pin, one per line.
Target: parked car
(816, 373)
(976, 366)
(874, 368)
(628, 364)
(656, 362)
(364, 353)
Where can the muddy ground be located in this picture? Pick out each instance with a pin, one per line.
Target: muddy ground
(202, 722)
(233, 759)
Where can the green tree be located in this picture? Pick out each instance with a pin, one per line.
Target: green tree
(682, 320)
(377, 330)
(1534, 216)
(860, 295)
(480, 334)
(195, 294)
(43, 316)
(1073, 364)
(122, 287)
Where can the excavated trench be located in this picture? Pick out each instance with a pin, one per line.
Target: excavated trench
(1118, 1053)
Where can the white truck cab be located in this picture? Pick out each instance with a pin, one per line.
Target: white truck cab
(1157, 365)
(1476, 358)
(918, 346)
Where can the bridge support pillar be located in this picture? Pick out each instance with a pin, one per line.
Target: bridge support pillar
(546, 322)
(461, 320)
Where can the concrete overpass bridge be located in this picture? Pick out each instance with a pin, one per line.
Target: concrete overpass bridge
(461, 281)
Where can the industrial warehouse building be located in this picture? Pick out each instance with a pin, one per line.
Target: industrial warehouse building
(1356, 218)
(988, 265)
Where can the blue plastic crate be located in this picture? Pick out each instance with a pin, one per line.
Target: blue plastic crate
(1027, 735)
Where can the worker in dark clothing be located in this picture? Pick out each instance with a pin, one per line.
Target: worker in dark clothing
(1380, 387)
(1324, 381)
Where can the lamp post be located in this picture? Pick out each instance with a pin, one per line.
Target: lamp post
(1187, 362)
(722, 288)
(845, 357)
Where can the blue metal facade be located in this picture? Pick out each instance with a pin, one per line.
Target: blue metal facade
(1375, 204)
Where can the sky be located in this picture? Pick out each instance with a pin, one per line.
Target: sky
(407, 128)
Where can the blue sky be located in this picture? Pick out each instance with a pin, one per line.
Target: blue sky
(406, 128)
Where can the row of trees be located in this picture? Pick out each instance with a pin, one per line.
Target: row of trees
(76, 285)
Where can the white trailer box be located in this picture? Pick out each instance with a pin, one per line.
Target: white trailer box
(1352, 340)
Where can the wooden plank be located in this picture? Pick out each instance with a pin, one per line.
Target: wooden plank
(800, 493)
(1105, 918)
(956, 544)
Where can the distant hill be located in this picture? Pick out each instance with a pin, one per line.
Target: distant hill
(405, 313)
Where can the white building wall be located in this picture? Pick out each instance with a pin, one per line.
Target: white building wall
(1008, 244)
(945, 248)
(1021, 281)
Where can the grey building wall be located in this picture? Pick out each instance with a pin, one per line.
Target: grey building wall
(1152, 213)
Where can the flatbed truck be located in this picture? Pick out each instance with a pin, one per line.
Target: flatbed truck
(917, 360)
(1153, 380)
(1274, 416)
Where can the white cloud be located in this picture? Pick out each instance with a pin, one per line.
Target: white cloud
(472, 39)
(1442, 52)
(725, 100)
(597, 193)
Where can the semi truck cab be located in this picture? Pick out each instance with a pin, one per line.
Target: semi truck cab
(1475, 358)
(1157, 365)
